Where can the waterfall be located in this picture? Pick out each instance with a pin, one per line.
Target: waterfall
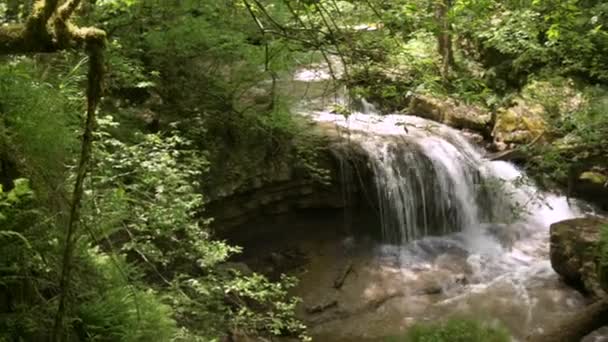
(429, 180)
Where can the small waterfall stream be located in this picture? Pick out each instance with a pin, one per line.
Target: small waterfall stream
(476, 228)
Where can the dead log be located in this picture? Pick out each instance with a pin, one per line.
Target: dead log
(341, 278)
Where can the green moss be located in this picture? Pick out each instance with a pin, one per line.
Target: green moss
(594, 177)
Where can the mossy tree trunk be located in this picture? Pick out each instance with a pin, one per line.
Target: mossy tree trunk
(444, 35)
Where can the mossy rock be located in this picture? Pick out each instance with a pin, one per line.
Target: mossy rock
(574, 253)
(520, 124)
(451, 113)
(593, 177)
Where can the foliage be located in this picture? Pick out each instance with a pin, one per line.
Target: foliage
(45, 142)
(455, 330)
(148, 209)
(579, 134)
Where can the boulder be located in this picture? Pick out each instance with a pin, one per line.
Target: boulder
(520, 124)
(451, 113)
(574, 253)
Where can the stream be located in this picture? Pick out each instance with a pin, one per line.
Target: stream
(454, 235)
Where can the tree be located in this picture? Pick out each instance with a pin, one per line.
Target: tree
(41, 34)
(444, 35)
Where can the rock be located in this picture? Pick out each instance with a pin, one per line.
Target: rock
(574, 253)
(505, 234)
(449, 112)
(520, 124)
(474, 137)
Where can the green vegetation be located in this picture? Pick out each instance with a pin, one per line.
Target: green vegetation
(455, 330)
(102, 221)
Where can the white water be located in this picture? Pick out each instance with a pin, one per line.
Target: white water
(431, 181)
(434, 199)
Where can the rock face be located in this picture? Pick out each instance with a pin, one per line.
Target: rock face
(448, 112)
(285, 189)
(574, 253)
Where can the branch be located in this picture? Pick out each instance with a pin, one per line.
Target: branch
(94, 49)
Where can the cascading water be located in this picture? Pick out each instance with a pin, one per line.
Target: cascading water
(462, 235)
(429, 179)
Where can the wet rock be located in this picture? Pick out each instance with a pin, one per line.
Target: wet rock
(455, 263)
(505, 234)
(574, 246)
(435, 282)
(473, 137)
(451, 113)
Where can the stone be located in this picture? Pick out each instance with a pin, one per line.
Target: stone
(451, 113)
(574, 253)
(522, 123)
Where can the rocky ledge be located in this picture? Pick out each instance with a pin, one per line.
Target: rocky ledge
(286, 189)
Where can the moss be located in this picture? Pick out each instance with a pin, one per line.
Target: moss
(594, 177)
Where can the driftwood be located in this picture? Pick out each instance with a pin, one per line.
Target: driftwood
(322, 307)
(515, 154)
(341, 278)
(577, 326)
(370, 306)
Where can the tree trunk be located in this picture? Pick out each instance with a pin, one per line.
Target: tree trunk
(444, 36)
